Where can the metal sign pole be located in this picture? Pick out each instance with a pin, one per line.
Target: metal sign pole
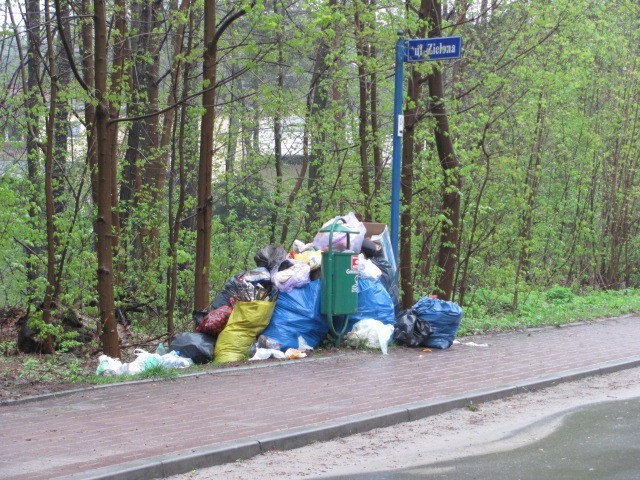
(412, 50)
(396, 166)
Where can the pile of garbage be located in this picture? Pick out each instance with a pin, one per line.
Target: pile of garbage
(274, 310)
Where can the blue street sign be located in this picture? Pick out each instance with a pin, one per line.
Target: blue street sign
(440, 48)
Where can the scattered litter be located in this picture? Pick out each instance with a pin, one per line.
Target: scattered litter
(471, 344)
(173, 359)
(108, 366)
(293, 353)
(264, 353)
(144, 361)
(373, 333)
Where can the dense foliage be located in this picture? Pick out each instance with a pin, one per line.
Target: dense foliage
(543, 108)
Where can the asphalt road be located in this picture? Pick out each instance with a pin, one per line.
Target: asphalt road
(598, 442)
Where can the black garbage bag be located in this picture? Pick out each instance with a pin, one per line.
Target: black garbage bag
(370, 249)
(229, 291)
(196, 346)
(410, 330)
(270, 257)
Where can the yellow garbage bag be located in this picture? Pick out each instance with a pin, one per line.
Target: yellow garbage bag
(247, 321)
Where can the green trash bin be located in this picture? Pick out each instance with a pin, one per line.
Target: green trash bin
(339, 281)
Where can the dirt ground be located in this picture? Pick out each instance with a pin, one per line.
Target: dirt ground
(18, 381)
(489, 427)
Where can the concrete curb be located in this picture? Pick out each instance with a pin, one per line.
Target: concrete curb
(177, 463)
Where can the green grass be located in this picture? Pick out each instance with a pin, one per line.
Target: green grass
(557, 306)
(157, 372)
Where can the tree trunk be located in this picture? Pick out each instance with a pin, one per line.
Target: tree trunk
(103, 224)
(411, 118)
(532, 180)
(375, 137)
(49, 300)
(117, 86)
(205, 201)
(448, 251)
(88, 74)
(277, 154)
(177, 152)
(363, 115)
(406, 219)
(320, 97)
(32, 23)
(62, 118)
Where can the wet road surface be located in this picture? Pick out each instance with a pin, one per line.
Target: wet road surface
(597, 442)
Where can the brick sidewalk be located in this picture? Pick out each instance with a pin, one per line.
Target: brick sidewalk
(107, 427)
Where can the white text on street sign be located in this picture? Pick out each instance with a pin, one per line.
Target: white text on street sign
(439, 48)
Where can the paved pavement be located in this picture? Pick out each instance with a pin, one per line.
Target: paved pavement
(156, 429)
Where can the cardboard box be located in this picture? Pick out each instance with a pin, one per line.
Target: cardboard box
(379, 232)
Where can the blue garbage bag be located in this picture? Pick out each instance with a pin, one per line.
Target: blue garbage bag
(296, 314)
(444, 318)
(373, 302)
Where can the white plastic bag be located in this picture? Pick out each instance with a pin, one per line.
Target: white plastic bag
(173, 360)
(373, 333)
(295, 276)
(264, 353)
(144, 361)
(339, 240)
(108, 366)
(368, 269)
(303, 346)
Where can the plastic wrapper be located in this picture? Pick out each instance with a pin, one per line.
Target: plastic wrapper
(321, 240)
(144, 361)
(294, 353)
(229, 291)
(443, 316)
(173, 360)
(255, 284)
(410, 330)
(368, 269)
(265, 353)
(296, 321)
(246, 322)
(291, 274)
(387, 278)
(311, 257)
(270, 257)
(371, 333)
(108, 366)
(300, 247)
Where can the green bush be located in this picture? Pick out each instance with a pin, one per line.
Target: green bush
(558, 294)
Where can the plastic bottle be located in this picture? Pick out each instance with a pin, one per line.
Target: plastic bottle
(160, 350)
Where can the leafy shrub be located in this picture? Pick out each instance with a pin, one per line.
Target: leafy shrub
(558, 294)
